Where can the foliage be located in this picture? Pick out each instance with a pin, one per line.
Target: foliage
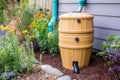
(24, 3)
(15, 56)
(7, 9)
(53, 41)
(40, 31)
(24, 17)
(39, 28)
(4, 5)
(111, 54)
(6, 17)
(1, 16)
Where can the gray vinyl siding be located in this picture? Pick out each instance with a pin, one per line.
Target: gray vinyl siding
(106, 16)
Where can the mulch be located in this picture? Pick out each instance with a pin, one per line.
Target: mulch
(95, 71)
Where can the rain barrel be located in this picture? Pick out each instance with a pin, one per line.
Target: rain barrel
(76, 39)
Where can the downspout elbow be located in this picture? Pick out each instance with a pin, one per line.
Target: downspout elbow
(51, 24)
(54, 15)
(80, 8)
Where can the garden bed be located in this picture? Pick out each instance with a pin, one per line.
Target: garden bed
(95, 71)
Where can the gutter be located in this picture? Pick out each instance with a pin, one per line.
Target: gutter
(81, 4)
(54, 15)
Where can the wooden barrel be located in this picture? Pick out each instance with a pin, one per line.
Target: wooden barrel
(75, 38)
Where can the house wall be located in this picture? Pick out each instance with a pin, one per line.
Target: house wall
(106, 17)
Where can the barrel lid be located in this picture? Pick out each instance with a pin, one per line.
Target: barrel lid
(75, 16)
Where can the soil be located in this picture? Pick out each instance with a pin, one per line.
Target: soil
(95, 71)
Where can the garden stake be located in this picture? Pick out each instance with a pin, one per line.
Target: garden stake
(40, 58)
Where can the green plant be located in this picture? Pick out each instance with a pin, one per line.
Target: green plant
(6, 17)
(111, 54)
(28, 45)
(18, 10)
(40, 31)
(4, 6)
(53, 41)
(14, 56)
(24, 3)
(48, 42)
(25, 17)
(1, 16)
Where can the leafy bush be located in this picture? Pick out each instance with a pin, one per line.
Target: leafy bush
(24, 17)
(111, 54)
(53, 41)
(48, 42)
(9, 8)
(5, 5)
(14, 56)
(38, 28)
(1, 17)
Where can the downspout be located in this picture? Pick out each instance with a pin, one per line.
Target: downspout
(81, 4)
(54, 15)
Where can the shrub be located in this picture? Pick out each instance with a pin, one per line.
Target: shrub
(48, 42)
(3, 5)
(111, 54)
(24, 17)
(14, 56)
(38, 28)
(53, 41)
(1, 17)
(6, 6)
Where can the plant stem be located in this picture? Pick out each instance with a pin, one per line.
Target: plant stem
(40, 58)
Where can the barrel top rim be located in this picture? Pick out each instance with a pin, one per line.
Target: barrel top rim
(75, 15)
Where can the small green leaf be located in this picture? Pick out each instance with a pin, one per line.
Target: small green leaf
(113, 37)
(109, 63)
(113, 46)
(101, 54)
(104, 45)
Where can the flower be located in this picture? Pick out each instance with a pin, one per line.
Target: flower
(42, 15)
(31, 26)
(36, 15)
(25, 31)
(31, 36)
(4, 28)
(12, 30)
